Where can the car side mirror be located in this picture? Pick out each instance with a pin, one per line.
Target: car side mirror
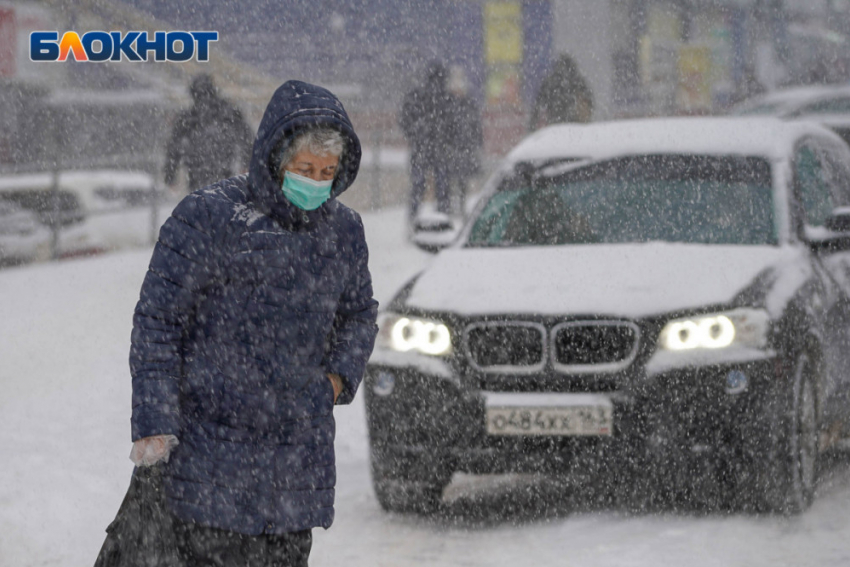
(434, 231)
(834, 235)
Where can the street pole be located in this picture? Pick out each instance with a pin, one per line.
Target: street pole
(55, 212)
(377, 142)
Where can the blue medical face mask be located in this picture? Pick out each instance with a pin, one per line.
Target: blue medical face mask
(304, 192)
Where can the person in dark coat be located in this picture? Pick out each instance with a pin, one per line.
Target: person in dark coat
(464, 151)
(211, 139)
(426, 119)
(564, 96)
(255, 317)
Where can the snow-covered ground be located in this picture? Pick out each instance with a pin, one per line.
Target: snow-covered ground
(64, 441)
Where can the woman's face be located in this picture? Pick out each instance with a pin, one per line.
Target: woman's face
(317, 168)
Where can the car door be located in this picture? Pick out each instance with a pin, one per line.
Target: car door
(822, 183)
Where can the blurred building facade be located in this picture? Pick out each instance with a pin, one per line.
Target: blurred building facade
(71, 115)
(371, 52)
(641, 57)
(674, 57)
(85, 115)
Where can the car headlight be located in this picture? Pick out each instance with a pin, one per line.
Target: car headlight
(402, 334)
(744, 327)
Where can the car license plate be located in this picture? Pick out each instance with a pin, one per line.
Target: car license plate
(548, 414)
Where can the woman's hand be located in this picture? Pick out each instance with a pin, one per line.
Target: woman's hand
(336, 380)
(149, 451)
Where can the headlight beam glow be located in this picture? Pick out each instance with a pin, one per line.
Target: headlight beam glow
(683, 335)
(717, 332)
(428, 337)
(705, 332)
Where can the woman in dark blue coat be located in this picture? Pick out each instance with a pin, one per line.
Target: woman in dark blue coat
(255, 317)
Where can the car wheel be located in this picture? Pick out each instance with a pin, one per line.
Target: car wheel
(403, 493)
(790, 466)
(407, 496)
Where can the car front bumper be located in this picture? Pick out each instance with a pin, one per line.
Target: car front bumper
(425, 413)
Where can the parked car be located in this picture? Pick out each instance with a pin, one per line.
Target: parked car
(34, 192)
(93, 210)
(111, 190)
(22, 237)
(652, 303)
(826, 104)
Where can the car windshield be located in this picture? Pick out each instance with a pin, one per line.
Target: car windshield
(670, 198)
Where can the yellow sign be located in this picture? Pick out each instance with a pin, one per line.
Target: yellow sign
(503, 85)
(503, 32)
(694, 78)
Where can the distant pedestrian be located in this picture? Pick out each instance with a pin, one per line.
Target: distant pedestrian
(564, 96)
(749, 86)
(467, 141)
(255, 317)
(426, 119)
(211, 139)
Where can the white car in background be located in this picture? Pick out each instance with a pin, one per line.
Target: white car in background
(825, 104)
(102, 191)
(23, 238)
(94, 210)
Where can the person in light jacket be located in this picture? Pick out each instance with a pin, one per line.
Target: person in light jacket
(255, 317)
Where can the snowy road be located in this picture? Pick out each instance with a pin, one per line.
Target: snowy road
(520, 521)
(64, 440)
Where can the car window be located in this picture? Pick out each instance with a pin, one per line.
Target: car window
(831, 106)
(694, 199)
(837, 171)
(812, 186)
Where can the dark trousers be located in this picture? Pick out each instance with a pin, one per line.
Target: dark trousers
(459, 187)
(420, 165)
(200, 546)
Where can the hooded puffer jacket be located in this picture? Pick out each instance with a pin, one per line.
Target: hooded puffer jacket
(248, 304)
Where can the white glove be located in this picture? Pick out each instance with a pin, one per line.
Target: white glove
(149, 451)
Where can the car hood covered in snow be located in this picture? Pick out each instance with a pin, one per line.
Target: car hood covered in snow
(627, 280)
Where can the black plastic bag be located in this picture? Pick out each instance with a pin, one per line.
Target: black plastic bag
(142, 534)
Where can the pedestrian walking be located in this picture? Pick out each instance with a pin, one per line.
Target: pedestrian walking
(426, 119)
(256, 316)
(564, 96)
(464, 152)
(211, 139)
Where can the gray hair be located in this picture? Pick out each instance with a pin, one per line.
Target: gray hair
(322, 141)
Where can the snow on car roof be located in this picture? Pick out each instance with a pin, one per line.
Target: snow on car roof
(76, 179)
(767, 137)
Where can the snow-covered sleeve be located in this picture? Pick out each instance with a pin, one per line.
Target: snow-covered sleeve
(355, 325)
(183, 263)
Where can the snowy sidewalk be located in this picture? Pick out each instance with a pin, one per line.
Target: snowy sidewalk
(65, 437)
